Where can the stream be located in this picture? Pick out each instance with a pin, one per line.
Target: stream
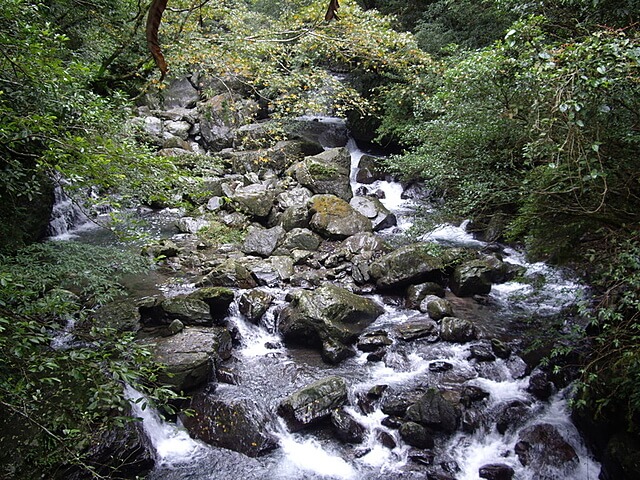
(267, 371)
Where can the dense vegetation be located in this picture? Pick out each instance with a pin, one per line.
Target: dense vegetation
(523, 117)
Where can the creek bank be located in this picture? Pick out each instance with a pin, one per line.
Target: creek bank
(306, 233)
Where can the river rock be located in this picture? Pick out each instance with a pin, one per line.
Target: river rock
(397, 403)
(254, 200)
(334, 218)
(437, 308)
(369, 170)
(329, 313)
(416, 435)
(375, 211)
(231, 420)
(334, 351)
(433, 411)
(164, 248)
(539, 385)
(188, 355)
(326, 173)
(262, 241)
(372, 341)
(217, 298)
(482, 352)
(416, 293)
(323, 132)
(543, 449)
(229, 272)
(189, 310)
(412, 263)
(347, 429)
(474, 277)
(313, 402)
(421, 328)
(180, 93)
(117, 453)
(293, 197)
(496, 471)
(296, 216)
(363, 242)
(254, 304)
(191, 225)
(459, 330)
(500, 349)
(300, 239)
(511, 415)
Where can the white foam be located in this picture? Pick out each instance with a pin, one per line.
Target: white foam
(453, 235)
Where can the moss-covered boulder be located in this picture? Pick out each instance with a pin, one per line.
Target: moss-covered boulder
(327, 315)
(230, 419)
(190, 354)
(334, 218)
(327, 172)
(313, 402)
(409, 264)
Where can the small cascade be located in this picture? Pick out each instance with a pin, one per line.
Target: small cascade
(66, 215)
(172, 444)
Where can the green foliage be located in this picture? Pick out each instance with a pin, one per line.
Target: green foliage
(284, 60)
(57, 396)
(217, 233)
(609, 383)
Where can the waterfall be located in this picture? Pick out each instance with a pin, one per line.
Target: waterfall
(66, 215)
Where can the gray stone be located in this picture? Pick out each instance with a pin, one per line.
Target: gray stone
(254, 304)
(262, 241)
(326, 173)
(416, 293)
(327, 313)
(180, 93)
(230, 419)
(543, 449)
(255, 200)
(313, 402)
(421, 328)
(375, 211)
(433, 411)
(437, 308)
(459, 330)
(189, 355)
(408, 264)
(301, 239)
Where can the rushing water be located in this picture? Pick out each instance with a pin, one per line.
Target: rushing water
(267, 371)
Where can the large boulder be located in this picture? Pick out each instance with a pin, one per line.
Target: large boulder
(434, 411)
(324, 132)
(374, 210)
(459, 330)
(327, 172)
(329, 314)
(229, 272)
(262, 241)
(180, 93)
(230, 419)
(476, 276)
(189, 354)
(220, 116)
(334, 218)
(436, 307)
(370, 169)
(418, 328)
(189, 310)
(313, 403)
(412, 263)
(300, 239)
(217, 298)
(254, 200)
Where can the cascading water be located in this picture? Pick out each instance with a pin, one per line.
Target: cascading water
(66, 215)
(267, 371)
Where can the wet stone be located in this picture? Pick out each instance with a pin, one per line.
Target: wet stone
(415, 329)
(386, 439)
(440, 366)
(496, 471)
(373, 341)
(482, 353)
(347, 429)
(416, 435)
(500, 349)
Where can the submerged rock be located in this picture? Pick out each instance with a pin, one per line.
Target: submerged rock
(496, 471)
(542, 448)
(313, 402)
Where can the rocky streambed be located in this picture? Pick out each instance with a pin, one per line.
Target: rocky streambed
(324, 343)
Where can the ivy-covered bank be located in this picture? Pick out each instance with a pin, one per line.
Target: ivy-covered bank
(521, 117)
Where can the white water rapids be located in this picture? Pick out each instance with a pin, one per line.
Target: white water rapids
(270, 371)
